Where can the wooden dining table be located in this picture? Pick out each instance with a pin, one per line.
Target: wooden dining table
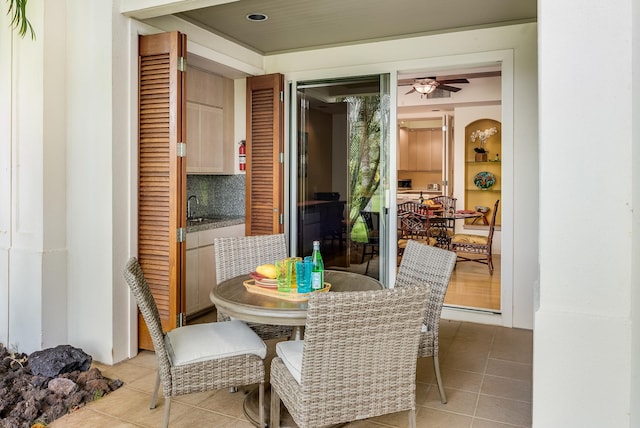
(234, 299)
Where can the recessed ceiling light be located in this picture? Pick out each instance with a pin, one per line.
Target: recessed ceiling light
(257, 17)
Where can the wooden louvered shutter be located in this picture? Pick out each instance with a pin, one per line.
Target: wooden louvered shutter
(162, 175)
(265, 146)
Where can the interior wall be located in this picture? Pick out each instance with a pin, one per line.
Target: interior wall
(319, 153)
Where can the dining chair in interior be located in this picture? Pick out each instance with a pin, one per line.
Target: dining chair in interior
(357, 360)
(476, 248)
(236, 256)
(448, 203)
(430, 268)
(199, 357)
(413, 226)
(444, 228)
(371, 246)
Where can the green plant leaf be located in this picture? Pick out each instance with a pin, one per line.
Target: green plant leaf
(18, 12)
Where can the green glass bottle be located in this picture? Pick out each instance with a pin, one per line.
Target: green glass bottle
(317, 271)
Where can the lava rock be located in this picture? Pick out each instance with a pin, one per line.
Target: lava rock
(52, 362)
(62, 386)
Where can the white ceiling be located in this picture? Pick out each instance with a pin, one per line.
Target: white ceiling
(294, 25)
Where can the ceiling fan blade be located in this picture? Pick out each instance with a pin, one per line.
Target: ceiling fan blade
(449, 88)
(411, 91)
(453, 81)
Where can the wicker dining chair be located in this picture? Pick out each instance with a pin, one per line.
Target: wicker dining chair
(469, 247)
(241, 255)
(357, 359)
(199, 357)
(429, 267)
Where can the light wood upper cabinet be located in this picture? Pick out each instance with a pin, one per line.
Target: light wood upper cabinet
(210, 145)
(420, 150)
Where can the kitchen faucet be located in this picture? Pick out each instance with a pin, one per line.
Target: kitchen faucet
(189, 210)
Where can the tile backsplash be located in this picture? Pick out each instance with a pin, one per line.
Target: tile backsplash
(218, 195)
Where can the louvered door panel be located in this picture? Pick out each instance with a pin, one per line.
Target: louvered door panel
(161, 176)
(265, 142)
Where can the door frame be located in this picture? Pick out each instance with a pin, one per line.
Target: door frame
(506, 59)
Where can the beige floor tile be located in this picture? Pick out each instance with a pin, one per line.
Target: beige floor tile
(226, 403)
(462, 380)
(481, 365)
(424, 370)
(127, 371)
(504, 410)
(432, 418)
(460, 402)
(399, 419)
(84, 417)
(196, 417)
(506, 388)
(481, 423)
(465, 361)
(510, 369)
(133, 406)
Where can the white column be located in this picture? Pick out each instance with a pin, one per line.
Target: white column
(32, 221)
(586, 335)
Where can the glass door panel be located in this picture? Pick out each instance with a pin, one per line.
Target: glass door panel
(338, 155)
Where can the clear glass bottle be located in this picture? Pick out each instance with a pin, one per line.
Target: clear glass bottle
(317, 271)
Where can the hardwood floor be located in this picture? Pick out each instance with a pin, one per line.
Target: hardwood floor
(471, 286)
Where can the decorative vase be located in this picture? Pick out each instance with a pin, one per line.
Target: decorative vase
(481, 157)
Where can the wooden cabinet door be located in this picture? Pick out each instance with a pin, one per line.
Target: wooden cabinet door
(423, 149)
(265, 155)
(436, 151)
(162, 175)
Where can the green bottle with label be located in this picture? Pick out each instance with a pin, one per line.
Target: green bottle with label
(317, 270)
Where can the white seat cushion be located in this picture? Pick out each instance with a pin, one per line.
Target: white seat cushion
(202, 342)
(291, 353)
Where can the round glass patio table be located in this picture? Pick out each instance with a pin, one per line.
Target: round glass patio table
(232, 298)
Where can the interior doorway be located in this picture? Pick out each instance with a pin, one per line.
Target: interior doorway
(431, 103)
(339, 155)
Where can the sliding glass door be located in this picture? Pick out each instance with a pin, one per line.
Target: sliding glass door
(339, 151)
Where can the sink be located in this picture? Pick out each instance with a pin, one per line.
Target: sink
(199, 220)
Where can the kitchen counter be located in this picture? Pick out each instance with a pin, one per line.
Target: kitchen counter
(417, 191)
(213, 222)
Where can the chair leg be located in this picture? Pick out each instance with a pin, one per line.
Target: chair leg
(154, 397)
(167, 409)
(261, 404)
(490, 264)
(436, 368)
(412, 418)
(275, 410)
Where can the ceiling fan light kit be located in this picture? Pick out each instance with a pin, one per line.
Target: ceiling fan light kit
(425, 88)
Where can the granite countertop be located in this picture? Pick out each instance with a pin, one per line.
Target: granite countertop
(213, 222)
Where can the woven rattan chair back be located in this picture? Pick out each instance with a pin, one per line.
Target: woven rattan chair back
(138, 284)
(429, 267)
(359, 358)
(241, 255)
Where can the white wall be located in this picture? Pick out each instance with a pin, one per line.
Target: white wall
(586, 337)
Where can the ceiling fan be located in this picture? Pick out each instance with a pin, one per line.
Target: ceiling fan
(426, 85)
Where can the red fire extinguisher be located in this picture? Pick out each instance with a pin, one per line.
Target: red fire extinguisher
(243, 155)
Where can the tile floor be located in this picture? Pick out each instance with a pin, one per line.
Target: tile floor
(486, 371)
